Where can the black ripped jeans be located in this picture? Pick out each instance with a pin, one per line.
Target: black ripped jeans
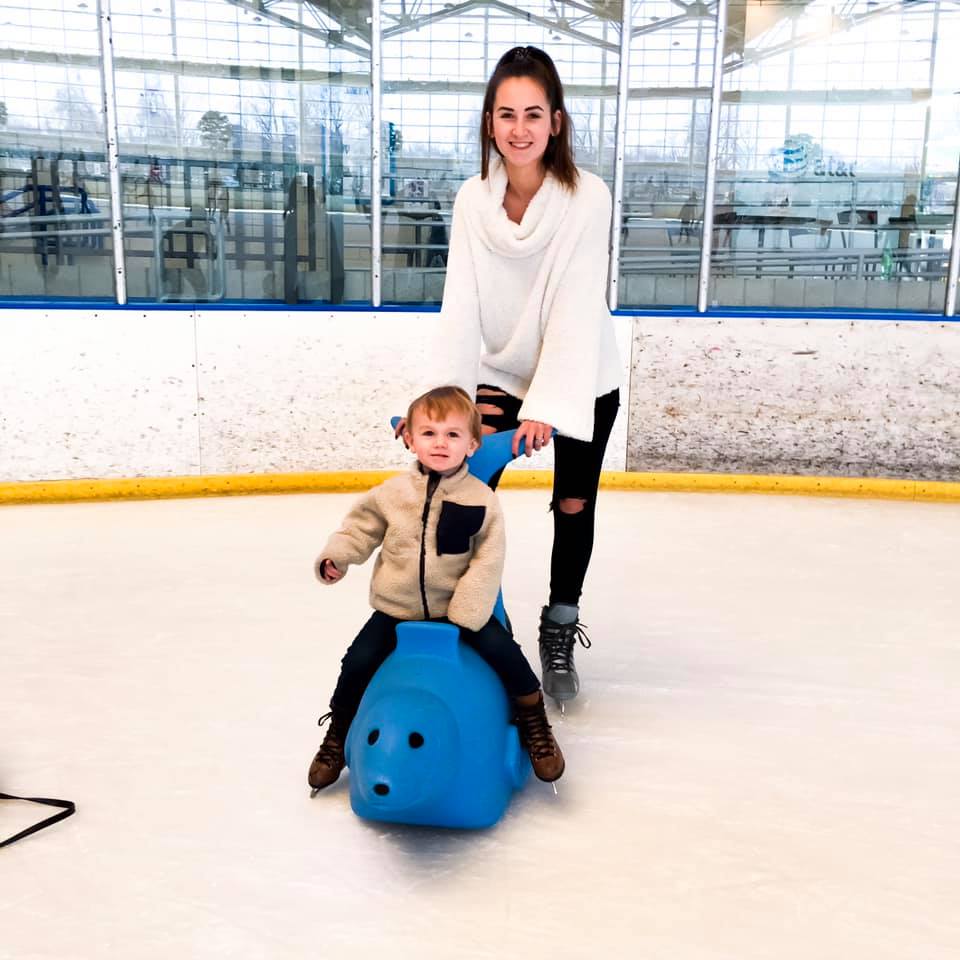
(576, 476)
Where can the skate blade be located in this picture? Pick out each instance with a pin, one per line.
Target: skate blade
(556, 792)
(314, 791)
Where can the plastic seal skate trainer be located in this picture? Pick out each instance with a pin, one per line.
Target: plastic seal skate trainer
(431, 743)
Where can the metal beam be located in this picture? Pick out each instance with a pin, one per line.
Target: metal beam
(109, 97)
(188, 68)
(558, 26)
(953, 271)
(619, 163)
(658, 25)
(376, 149)
(713, 146)
(195, 68)
(262, 10)
(837, 25)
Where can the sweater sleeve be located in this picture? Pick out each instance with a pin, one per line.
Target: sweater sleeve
(473, 599)
(563, 389)
(453, 353)
(360, 533)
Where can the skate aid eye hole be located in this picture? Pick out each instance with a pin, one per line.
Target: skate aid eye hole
(415, 740)
(373, 736)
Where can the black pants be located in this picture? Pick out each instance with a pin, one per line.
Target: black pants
(577, 465)
(378, 639)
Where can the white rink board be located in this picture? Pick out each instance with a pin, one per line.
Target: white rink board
(125, 393)
(796, 396)
(97, 394)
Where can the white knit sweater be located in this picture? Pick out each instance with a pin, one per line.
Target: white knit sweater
(534, 294)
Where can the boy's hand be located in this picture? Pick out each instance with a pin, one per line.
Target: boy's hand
(327, 571)
(536, 434)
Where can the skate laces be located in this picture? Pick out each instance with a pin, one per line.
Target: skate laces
(534, 730)
(331, 750)
(558, 640)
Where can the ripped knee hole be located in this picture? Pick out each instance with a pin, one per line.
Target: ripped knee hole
(571, 504)
(489, 408)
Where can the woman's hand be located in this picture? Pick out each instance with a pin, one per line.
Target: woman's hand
(536, 434)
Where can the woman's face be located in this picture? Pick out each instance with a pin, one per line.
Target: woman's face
(521, 124)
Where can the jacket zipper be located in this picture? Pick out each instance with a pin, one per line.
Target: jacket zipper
(432, 485)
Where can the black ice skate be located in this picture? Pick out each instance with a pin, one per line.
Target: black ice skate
(557, 641)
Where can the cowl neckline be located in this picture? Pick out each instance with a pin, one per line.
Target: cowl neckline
(540, 221)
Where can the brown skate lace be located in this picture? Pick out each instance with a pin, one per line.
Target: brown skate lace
(330, 753)
(534, 730)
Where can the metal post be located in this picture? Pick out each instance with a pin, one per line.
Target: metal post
(178, 119)
(603, 102)
(376, 173)
(109, 96)
(713, 149)
(623, 93)
(934, 31)
(953, 274)
(301, 129)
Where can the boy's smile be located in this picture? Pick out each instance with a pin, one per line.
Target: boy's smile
(440, 444)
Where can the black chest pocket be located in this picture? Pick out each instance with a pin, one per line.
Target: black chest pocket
(457, 524)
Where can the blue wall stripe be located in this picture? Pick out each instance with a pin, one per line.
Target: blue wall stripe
(266, 306)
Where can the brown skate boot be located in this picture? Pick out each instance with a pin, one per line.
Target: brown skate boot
(537, 739)
(329, 761)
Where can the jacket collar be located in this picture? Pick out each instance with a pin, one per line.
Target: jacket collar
(421, 476)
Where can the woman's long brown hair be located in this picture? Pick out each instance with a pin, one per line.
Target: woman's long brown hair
(534, 63)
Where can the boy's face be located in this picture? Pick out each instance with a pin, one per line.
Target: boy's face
(440, 444)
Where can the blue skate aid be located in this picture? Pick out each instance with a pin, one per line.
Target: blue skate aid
(432, 743)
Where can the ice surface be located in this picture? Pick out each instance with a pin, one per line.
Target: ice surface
(763, 763)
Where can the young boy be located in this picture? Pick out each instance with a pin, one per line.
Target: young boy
(442, 538)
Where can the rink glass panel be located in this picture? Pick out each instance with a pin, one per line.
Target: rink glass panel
(245, 153)
(665, 142)
(434, 80)
(54, 193)
(246, 158)
(837, 161)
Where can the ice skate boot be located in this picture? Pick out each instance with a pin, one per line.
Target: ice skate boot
(557, 640)
(537, 739)
(329, 761)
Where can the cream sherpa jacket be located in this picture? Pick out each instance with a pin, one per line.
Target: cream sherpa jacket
(441, 554)
(534, 294)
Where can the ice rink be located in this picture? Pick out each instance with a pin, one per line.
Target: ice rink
(764, 763)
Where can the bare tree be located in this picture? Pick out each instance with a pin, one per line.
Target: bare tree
(271, 113)
(73, 111)
(155, 120)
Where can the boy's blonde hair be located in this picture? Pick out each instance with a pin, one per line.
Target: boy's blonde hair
(442, 401)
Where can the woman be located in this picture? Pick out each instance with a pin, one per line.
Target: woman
(526, 277)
